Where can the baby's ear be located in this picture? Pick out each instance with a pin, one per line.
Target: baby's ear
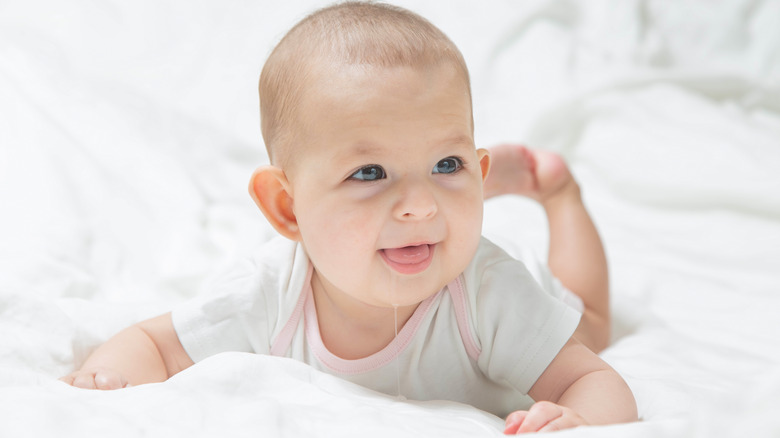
(484, 162)
(271, 191)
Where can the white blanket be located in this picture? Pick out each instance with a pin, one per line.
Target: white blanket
(128, 131)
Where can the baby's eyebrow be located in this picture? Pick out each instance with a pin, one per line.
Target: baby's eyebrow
(370, 149)
(358, 150)
(458, 139)
(365, 148)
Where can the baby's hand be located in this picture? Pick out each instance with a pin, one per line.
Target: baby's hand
(542, 417)
(96, 378)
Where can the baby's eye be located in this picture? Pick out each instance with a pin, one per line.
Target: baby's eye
(448, 165)
(369, 173)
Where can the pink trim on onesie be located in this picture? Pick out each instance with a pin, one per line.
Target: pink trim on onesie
(370, 363)
(458, 294)
(305, 306)
(284, 339)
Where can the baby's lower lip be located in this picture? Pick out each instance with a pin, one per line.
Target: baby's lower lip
(410, 259)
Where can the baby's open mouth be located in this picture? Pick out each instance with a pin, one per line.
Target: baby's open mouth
(409, 259)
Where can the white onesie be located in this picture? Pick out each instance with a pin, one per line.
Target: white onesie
(482, 340)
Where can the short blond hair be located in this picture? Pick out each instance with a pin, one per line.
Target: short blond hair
(350, 33)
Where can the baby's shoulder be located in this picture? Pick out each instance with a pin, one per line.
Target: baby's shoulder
(280, 265)
(275, 254)
(269, 269)
(497, 282)
(491, 261)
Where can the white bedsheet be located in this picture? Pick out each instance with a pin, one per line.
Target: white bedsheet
(128, 131)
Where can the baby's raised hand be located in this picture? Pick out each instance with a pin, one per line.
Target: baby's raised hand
(542, 417)
(97, 378)
(537, 174)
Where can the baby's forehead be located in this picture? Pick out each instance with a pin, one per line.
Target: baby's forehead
(339, 76)
(372, 38)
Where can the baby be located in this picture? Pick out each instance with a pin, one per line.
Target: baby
(383, 278)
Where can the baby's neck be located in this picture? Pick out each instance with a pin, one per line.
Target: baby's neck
(354, 330)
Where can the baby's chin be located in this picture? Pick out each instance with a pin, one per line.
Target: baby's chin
(411, 291)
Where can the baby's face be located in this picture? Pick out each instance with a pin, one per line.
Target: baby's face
(387, 188)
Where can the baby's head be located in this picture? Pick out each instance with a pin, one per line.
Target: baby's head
(353, 34)
(366, 114)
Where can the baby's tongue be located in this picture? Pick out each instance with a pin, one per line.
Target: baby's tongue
(409, 254)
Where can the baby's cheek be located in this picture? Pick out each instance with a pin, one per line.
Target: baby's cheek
(337, 238)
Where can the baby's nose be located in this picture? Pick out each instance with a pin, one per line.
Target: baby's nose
(416, 202)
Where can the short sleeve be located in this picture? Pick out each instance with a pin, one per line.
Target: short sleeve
(520, 326)
(240, 310)
(541, 273)
(218, 321)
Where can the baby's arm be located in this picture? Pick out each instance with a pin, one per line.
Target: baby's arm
(146, 352)
(576, 389)
(576, 255)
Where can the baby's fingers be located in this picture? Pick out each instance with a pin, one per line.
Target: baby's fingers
(106, 379)
(513, 422)
(96, 379)
(542, 417)
(68, 379)
(562, 422)
(84, 381)
(539, 415)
